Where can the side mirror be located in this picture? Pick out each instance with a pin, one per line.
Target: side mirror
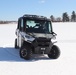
(54, 34)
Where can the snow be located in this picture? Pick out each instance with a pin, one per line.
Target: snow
(12, 64)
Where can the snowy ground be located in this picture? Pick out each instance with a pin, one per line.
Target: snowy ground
(12, 64)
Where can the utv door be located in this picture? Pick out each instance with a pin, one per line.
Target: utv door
(19, 32)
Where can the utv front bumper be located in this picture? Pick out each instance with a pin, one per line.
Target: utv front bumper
(42, 46)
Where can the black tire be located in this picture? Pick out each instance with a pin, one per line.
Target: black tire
(54, 53)
(16, 47)
(25, 52)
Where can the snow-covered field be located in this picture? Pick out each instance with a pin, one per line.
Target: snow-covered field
(12, 64)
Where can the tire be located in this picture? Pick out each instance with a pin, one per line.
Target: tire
(16, 47)
(54, 53)
(25, 52)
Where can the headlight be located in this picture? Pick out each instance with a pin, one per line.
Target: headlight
(53, 40)
(29, 38)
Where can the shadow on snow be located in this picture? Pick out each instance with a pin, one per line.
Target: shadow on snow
(12, 55)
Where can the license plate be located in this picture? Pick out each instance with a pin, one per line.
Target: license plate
(43, 49)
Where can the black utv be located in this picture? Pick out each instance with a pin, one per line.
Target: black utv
(34, 36)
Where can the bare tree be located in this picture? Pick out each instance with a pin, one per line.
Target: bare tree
(58, 19)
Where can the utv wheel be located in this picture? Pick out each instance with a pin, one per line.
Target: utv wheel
(55, 52)
(25, 53)
(16, 47)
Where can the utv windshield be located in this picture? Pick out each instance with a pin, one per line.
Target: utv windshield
(38, 26)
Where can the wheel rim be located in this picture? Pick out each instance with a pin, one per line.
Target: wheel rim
(53, 52)
(24, 53)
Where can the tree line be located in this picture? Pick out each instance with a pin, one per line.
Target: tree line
(65, 17)
(7, 22)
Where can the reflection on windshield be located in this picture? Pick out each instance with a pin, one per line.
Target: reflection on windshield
(41, 26)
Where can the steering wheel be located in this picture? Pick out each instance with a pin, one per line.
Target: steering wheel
(37, 25)
(27, 26)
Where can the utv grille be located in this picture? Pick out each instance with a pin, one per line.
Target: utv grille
(43, 42)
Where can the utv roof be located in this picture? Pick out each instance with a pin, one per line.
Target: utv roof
(27, 16)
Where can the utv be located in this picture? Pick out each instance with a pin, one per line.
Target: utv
(34, 36)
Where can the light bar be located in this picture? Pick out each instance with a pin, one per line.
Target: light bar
(34, 16)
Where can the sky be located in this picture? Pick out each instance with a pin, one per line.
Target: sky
(13, 9)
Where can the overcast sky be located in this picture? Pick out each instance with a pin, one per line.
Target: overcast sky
(12, 9)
